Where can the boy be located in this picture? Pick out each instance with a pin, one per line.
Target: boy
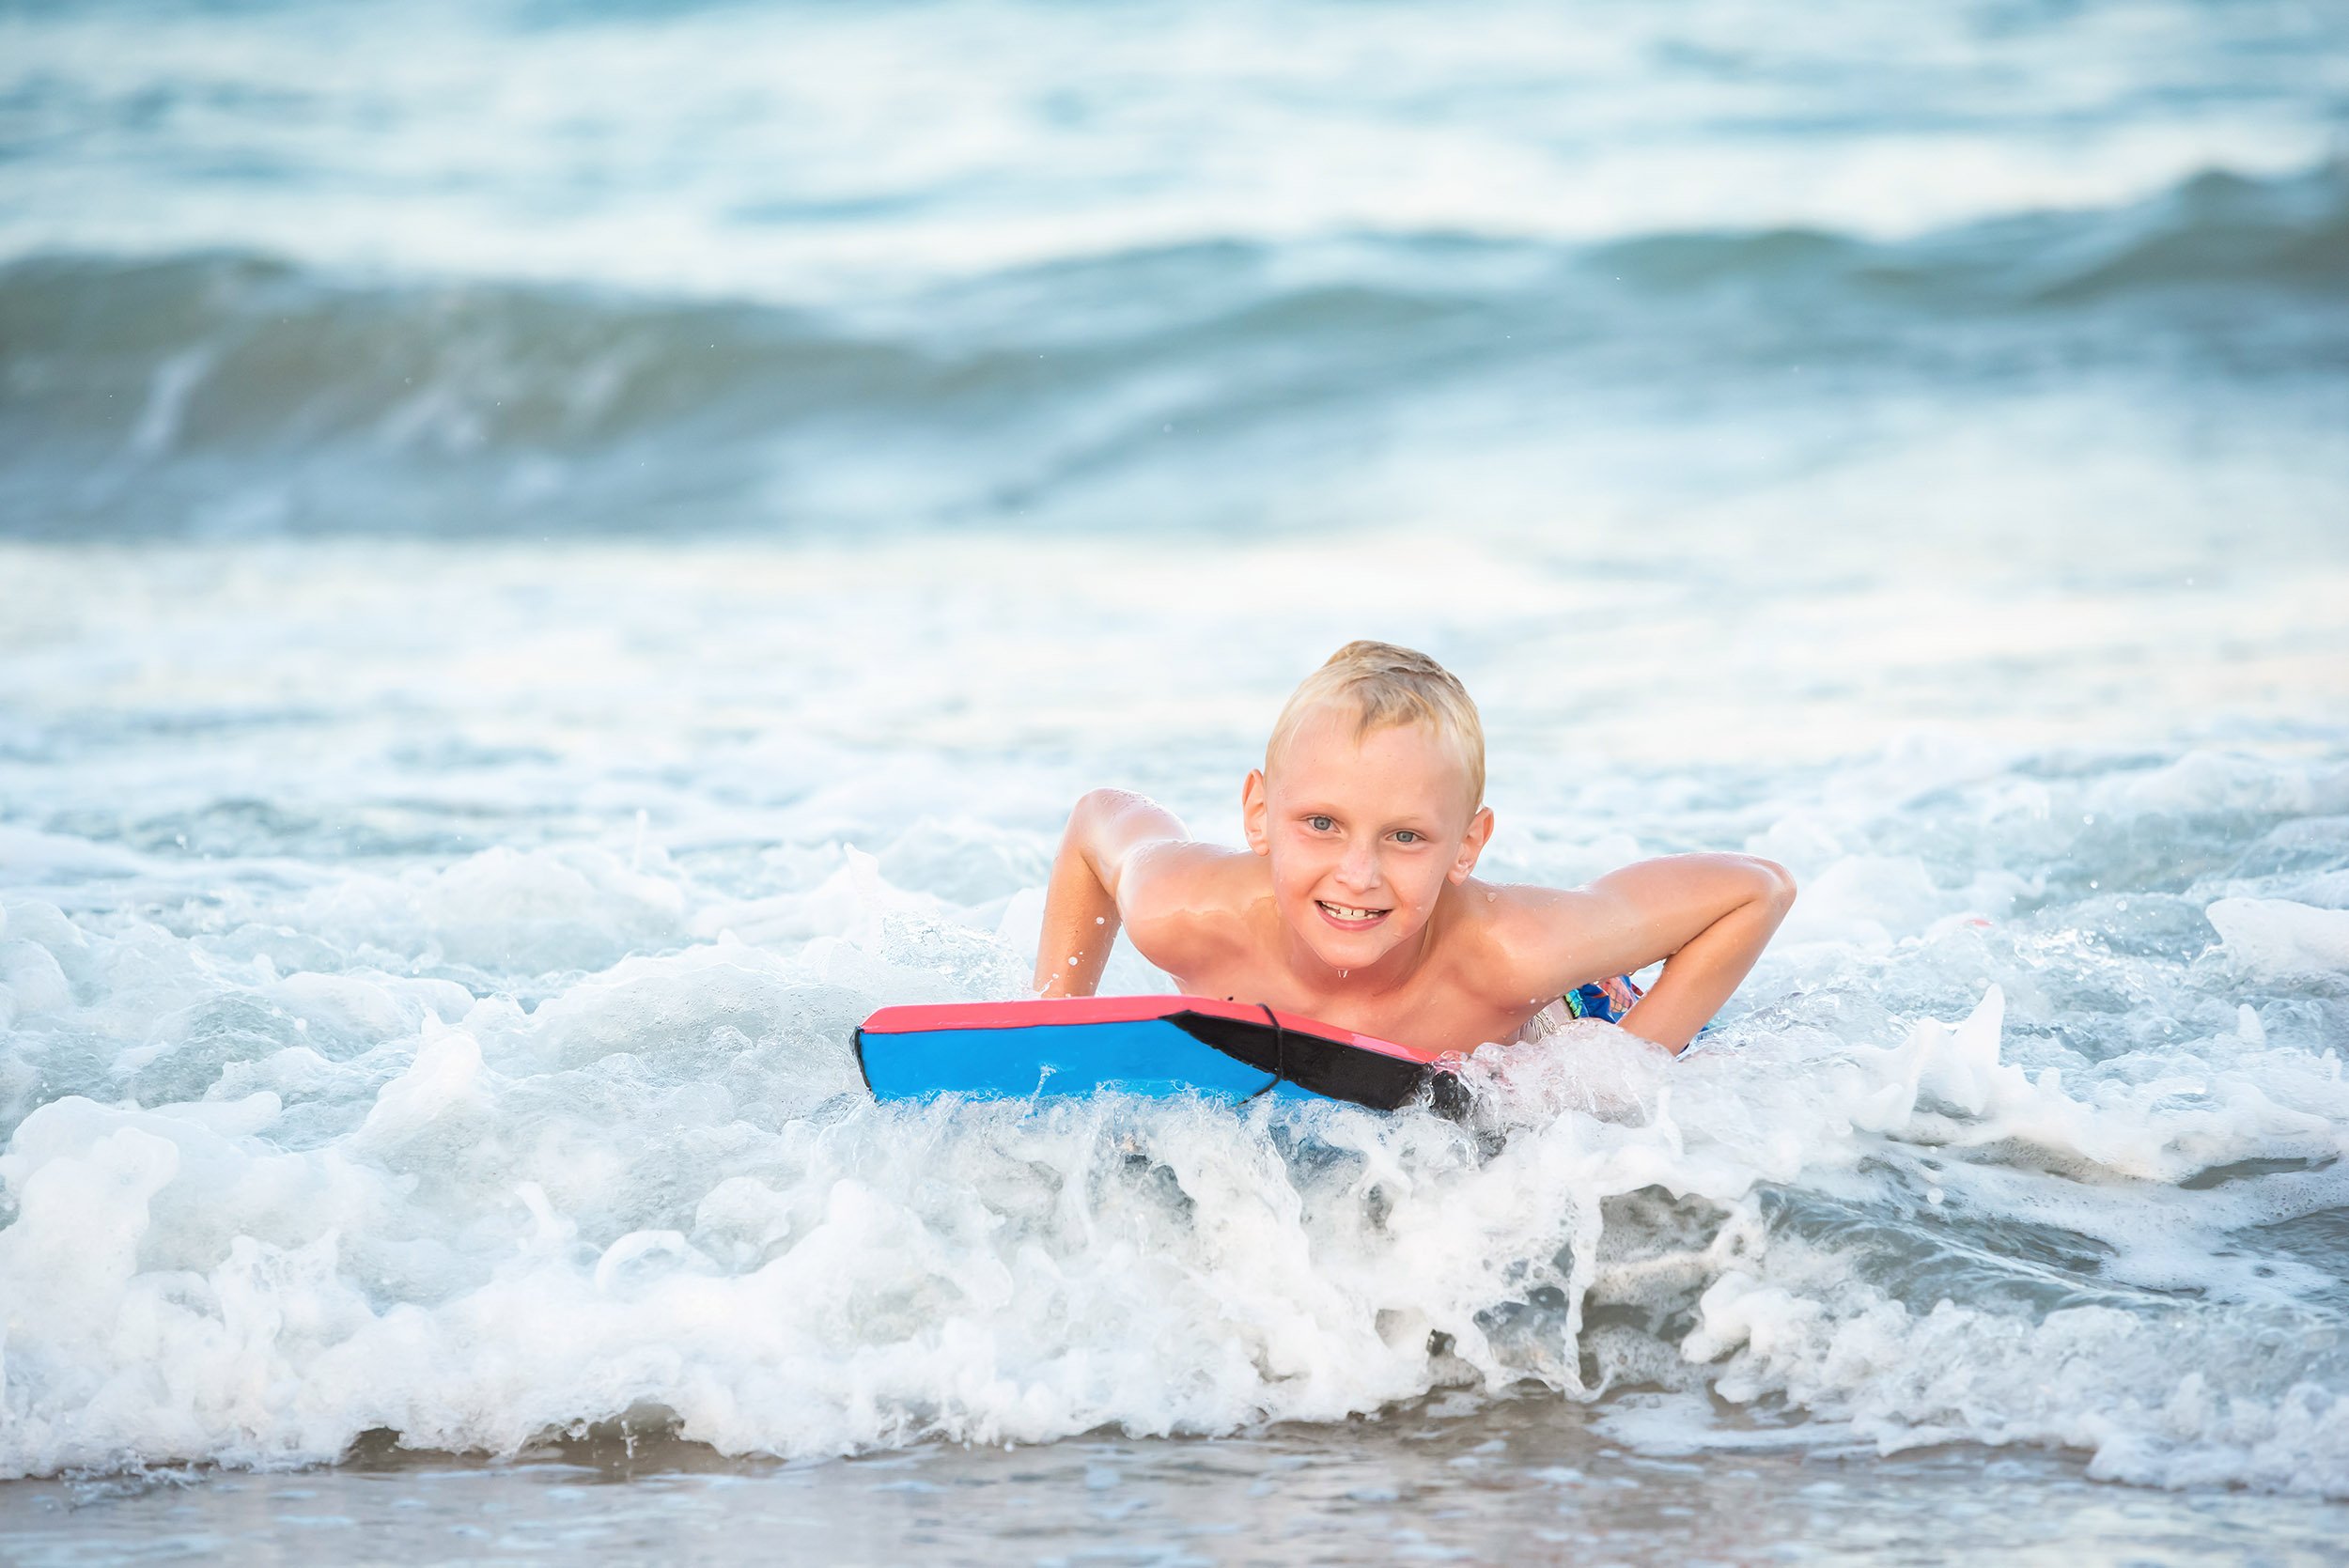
(1354, 902)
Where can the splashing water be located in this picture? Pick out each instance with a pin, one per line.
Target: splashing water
(529, 602)
(324, 1123)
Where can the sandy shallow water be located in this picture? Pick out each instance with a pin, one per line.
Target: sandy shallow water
(1526, 1482)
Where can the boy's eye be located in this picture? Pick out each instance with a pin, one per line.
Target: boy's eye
(1405, 835)
(1320, 824)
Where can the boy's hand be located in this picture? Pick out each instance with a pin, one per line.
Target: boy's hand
(1707, 916)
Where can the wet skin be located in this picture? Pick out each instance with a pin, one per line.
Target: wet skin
(1355, 903)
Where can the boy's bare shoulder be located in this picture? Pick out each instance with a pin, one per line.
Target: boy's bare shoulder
(1183, 900)
(1517, 937)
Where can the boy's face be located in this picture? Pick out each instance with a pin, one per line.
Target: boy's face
(1363, 833)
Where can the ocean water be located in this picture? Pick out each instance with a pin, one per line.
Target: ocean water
(554, 557)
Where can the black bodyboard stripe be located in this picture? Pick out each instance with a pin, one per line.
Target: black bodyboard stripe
(1335, 1069)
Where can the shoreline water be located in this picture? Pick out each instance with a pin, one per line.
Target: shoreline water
(1526, 1479)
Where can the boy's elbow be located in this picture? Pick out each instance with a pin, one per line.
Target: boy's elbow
(1107, 799)
(1092, 806)
(1777, 885)
(1094, 821)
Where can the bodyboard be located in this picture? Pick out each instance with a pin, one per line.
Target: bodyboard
(1155, 1044)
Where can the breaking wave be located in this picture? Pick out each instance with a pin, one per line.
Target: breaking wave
(313, 1170)
(227, 393)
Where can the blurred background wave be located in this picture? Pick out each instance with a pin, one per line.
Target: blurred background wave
(544, 272)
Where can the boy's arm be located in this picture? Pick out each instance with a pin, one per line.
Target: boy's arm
(1707, 916)
(1082, 904)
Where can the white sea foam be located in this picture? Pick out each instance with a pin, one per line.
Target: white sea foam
(330, 1116)
(522, 1231)
(2275, 938)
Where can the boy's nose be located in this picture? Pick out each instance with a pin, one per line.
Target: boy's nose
(1358, 870)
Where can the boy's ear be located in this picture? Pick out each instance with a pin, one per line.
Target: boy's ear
(1254, 812)
(1479, 832)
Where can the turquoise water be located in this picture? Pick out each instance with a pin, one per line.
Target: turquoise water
(552, 559)
(532, 272)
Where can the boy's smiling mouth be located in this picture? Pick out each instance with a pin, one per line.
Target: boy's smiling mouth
(1347, 917)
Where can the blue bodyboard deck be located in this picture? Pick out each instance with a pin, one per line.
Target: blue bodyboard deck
(1162, 1044)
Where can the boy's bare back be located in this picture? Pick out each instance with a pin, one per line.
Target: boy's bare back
(1355, 903)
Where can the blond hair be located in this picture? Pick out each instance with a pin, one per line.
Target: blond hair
(1386, 686)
